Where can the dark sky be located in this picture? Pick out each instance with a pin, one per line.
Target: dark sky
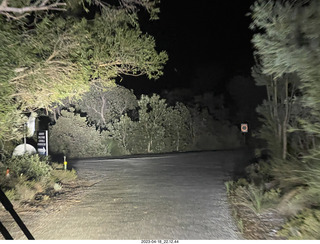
(202, 38)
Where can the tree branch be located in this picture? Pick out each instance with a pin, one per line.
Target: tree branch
(41, 5)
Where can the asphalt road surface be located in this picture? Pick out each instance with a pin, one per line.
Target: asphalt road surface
(172, 196)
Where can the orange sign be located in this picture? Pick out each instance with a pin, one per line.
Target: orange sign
(244, 128)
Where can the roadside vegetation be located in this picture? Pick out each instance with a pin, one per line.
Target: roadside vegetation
(33, 177)
(151, 126)
(284, 178)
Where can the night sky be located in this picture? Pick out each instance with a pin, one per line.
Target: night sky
(205, 40)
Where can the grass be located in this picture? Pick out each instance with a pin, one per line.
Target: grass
(252, 196)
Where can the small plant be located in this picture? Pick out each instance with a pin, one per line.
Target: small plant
(229, 186)
(253, 197)
(240, 225)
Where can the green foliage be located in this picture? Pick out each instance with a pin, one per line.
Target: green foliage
(123, 131)
(156, 128)
(104, 105)
(153, 115)
(178, 135)
(57, 57)
(289, 45)
(159, 128)
(287, 52)
(305, 226)
(31, 166)
(73, 137)
(252, 196)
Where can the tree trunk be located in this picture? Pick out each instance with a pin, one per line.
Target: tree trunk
(178, 140)
(285, 122)
(149, 146)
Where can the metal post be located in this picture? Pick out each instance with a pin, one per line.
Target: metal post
(65, 162)
(5, 232)
(9, 207)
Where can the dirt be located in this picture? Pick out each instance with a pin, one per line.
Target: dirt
(43, 205)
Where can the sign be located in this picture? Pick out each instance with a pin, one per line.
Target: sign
(42, 144)
(31, 125)
(244, 128)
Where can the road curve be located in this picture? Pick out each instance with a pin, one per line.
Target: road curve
(174, 196)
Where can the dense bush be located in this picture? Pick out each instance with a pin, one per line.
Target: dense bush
(73, 137)
(30, 175)
(31, 166)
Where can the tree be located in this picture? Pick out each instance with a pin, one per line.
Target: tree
(276, 111)
(159, 128)
(105, 105)
(19, 9)
(50, 58)
(288, 44)
(178, 128)
(15, 9)
(152, 117)
(124, 131)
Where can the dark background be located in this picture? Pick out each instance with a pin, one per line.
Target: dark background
(208, 42)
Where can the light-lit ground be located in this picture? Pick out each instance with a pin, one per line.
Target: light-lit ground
(177, 196)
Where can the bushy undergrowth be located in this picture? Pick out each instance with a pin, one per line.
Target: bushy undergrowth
(29, 175)
(251, 196)
(73, 137)
(31, 166)
(290, 187)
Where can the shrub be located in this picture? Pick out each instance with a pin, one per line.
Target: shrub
(73, 137)
(252, 196)
(31, 166)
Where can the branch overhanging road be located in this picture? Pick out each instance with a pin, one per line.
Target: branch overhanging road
(174, 196)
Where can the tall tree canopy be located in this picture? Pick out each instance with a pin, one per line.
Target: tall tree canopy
(49, 55)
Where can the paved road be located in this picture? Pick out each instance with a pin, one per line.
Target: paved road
(175, 196)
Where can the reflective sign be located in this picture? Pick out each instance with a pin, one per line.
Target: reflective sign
(244, 128)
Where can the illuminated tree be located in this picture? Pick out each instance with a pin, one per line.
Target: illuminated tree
(153, 114)
(53, 57)
(73, 137)
(288, 43)
(105, 105)
(178, 128)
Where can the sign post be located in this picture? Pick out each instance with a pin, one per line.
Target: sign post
(43, 147)
(65, 162)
